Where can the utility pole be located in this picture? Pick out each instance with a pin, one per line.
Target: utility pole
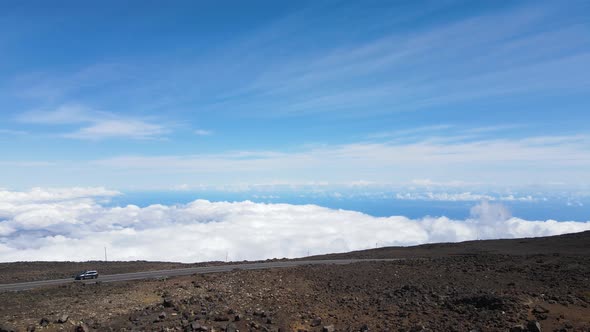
(226, 253)
(105, 254)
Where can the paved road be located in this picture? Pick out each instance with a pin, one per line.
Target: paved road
(182, 272)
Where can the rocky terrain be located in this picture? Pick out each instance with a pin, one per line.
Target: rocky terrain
(509, 285)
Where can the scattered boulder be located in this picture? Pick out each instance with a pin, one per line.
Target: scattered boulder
(62, 319)
(44, 321)
(198, 327)
(540, 310)
(518, 328)
(168, 303)
(328, 328)
(485, 301)
(316, 322)
(533, 326)
(231, 328)
(221, 318)
(7, 328)
(81, 328)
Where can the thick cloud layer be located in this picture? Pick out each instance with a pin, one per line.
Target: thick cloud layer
(74, 224)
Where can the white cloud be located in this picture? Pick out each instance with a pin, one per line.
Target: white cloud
(459, 197)
(119, 128)
(442, 196)
(431, 183)
(181, 187)
(202, 132)
(42, 225)
(513, 161)
(451, 166)
(95, 125)
(488, 212)
(11, 132)
(40, 195)
(63, 114)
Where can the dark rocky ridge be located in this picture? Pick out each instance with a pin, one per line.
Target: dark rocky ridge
(576, 244)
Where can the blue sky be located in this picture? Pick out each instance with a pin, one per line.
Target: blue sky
(144, 96)
(281, 128)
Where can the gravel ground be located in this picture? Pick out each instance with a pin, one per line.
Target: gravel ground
(474, 291)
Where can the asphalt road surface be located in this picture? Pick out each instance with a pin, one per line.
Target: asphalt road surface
(181, 272)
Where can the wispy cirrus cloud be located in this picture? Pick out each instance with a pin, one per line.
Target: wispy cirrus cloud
(447, 63)
(63, 114)
(526, 160)
(12, 132)
(203, 132)
(444, 162)
(95, 125)
(120, 128)
(404, 68)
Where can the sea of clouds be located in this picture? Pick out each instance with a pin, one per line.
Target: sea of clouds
(75, 224)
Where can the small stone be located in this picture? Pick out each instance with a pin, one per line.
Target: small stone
(517, 328)
(231, 328)
(162, 315)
